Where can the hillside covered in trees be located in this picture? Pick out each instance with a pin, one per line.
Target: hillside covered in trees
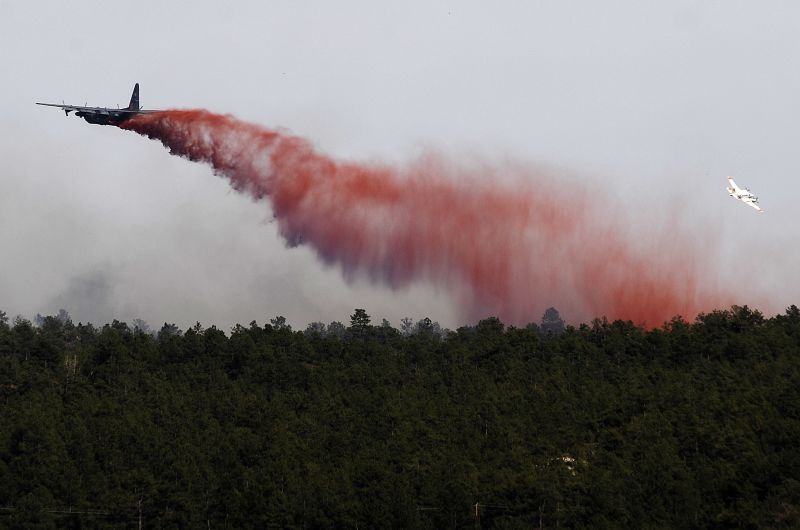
(608, 425)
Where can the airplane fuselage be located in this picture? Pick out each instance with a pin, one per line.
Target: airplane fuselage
(105, 117)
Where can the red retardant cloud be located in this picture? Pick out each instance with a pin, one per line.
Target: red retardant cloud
(508, 241)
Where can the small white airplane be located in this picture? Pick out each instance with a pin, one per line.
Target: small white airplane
(743, 194)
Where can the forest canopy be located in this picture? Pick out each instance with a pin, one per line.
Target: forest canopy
(604, 425)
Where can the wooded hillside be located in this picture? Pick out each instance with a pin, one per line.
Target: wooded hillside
(693, 425)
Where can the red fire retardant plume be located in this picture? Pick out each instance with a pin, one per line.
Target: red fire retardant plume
(506, 240)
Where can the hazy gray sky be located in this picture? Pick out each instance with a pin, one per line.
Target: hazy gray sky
(649, 99)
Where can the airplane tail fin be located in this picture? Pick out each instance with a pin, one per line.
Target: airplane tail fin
(134, 104)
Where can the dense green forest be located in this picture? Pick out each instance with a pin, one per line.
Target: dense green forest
(607, 425)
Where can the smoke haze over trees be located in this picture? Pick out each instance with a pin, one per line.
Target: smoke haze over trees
(605, 425)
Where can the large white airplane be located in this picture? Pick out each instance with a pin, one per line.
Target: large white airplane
(743, 194)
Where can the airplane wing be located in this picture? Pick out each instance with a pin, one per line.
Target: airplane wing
(98, 110)
(69, 108)
(140, 111)
(733, 185)
(754, 204)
